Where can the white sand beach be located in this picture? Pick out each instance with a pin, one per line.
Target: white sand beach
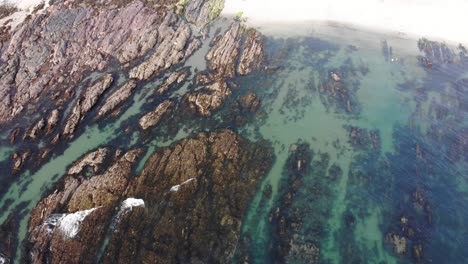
(435, 19)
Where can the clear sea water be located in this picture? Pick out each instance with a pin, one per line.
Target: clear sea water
(415, 170)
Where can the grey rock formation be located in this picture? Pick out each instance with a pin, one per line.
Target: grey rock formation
(201, 12)
(93, 159)
(154, 117)
(175, 78)
(51, 50)
(223, 55)
(117, 97)
(209, 98)
(253, 53)
(85, 103)
(169, 51)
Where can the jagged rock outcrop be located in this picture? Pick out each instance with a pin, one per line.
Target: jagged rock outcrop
(52, 120)
(236, 47)
(223, 55)
(175, 78)
(69, 225)
(199, 190)
(209, 98)
(154, 117)
(195, 194)
(117, 97)
(201, 12)
(170, 51)
(37, 128)
(253, 54)
(85, 103)
(94, 159)
(51, 50)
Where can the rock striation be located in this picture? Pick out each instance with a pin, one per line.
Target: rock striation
(85, 103)
(154, 117)
(187, 205)
(69, 225)
(238, 51)
(117, 97)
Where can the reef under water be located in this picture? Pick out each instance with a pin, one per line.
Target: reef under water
(335, 151)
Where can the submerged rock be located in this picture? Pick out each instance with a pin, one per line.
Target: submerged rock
(398, 243)
(249, 102)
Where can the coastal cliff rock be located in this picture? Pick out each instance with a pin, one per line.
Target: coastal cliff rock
(192, 197)
(154, 117)
(46, 52)
(69, 225)
(85, 103)
(198, 190)
(236, 47)
(117, 97)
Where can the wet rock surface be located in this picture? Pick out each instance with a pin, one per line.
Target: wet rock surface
(170, 51)
(236, 47)
(154, 117)
(69, 225)
(46, 53)
(117, 97)
(85, 103)
(8, 241)
(195, 194)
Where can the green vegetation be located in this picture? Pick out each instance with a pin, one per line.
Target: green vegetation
(180, 6)
(216, 6)
(239, 17)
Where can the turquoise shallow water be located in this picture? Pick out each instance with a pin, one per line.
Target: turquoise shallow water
(386, 139)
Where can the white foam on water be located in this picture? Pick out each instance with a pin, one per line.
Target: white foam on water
(129, 203)
(70, 224)
(176, 188)
(445, 20)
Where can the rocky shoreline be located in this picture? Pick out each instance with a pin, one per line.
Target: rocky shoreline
(80, 62)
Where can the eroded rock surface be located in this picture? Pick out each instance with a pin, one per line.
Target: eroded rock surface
(52, 50)
(195, 194)
(85, 103)
(69, 225)
(236, 49)
(170, 51)
(154, 117)
(117, 97)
